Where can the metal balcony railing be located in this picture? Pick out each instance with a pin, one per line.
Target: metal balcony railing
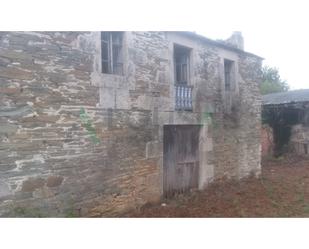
(183, 97)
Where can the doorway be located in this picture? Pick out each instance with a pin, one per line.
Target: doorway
(180, 158)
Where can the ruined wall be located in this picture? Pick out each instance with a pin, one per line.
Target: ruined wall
(75, 141)
(267, 140)
(299, 140)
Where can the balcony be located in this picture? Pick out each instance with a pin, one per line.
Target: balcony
(183, 97)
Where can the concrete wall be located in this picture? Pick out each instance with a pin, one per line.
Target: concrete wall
(75, 141)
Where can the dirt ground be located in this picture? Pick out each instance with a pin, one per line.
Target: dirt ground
(281, 191)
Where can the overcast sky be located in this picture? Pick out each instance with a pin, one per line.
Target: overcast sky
(275, 30)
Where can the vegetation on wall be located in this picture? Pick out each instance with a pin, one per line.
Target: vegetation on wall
(272, 82)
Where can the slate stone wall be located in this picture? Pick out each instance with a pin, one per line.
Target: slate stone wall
(76, 142)
(299, 140)
(267, 141)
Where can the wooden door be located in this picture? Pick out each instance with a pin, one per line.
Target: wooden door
(180, 158)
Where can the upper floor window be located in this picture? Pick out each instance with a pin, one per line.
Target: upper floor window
(181, 59)
(112, 52)
(228, 74)
(183, 91)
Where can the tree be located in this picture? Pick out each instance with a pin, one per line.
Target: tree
(272, 82)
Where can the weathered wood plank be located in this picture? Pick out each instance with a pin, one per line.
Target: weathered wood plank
(180, 159)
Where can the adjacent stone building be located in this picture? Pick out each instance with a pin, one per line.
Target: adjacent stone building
(97, 123)
(286, 118)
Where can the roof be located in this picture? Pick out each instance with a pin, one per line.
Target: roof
(286, 97)
(217, 43)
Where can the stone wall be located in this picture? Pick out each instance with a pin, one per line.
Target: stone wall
(299, 140)
(46, 154)
(267, 141)
(75, 141)
(237, 144)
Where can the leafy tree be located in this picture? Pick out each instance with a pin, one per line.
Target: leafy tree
(272, 82)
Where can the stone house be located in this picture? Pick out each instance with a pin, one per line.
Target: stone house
(286, 122)
(97, 123)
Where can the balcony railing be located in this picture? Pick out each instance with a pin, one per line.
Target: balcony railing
(183, 97)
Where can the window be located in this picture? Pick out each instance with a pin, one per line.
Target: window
(228, 74)
(111, 48)
(183, 91)
(181, 58)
